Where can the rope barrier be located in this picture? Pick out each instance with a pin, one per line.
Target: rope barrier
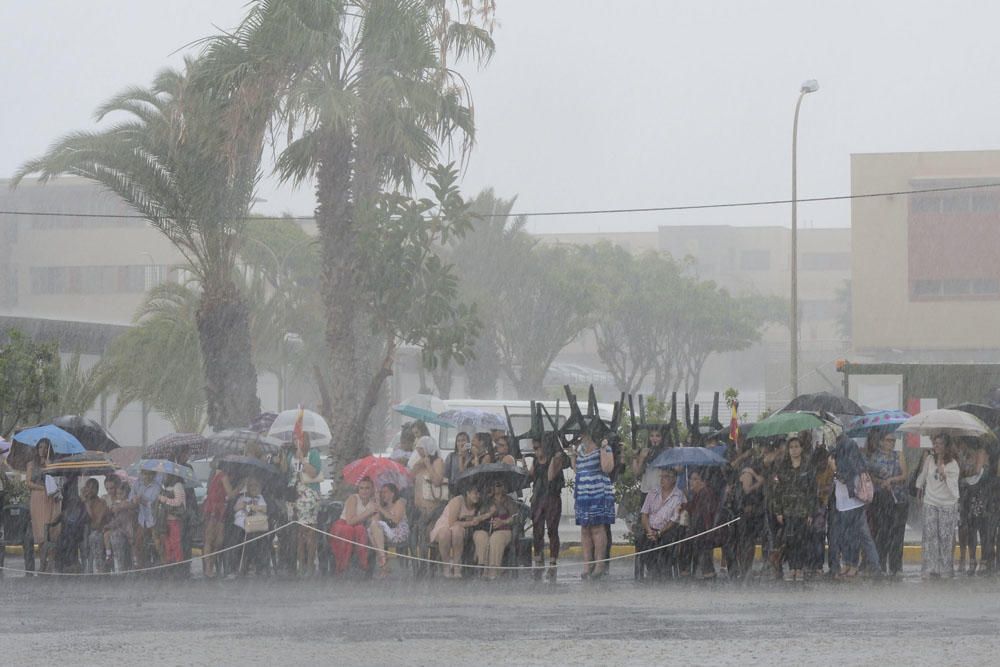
(162, 566)
(364, 546)
(515, 567)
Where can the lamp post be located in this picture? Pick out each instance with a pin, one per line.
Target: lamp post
(810, 86)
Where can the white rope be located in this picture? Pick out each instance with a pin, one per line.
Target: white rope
(364, 546)
(514, 567)
(153, 567)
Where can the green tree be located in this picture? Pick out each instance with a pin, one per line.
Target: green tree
(29, 381)
(636, 326)
(79, 388)
(173, 162)
(483, 259)
(714, 321)
(158, 361)
(411, 294)
(365, 93)
(546, 301)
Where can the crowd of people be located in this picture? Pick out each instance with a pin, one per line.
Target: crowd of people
(809, 508)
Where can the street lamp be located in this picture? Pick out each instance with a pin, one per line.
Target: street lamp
(810, 86)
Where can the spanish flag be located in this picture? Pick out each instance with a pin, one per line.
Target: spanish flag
(734, 424)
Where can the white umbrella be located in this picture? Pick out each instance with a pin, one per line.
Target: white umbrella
(312, 423)
(952, 422)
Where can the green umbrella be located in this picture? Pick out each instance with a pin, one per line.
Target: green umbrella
(784, 423)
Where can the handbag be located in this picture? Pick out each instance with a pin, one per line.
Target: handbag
(255, 523)
(864, 489)
(433, 492)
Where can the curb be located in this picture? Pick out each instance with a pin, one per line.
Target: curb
(912, 553)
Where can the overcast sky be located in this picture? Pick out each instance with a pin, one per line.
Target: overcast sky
(593, 104)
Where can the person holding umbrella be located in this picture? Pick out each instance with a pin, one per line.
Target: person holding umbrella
(172, 499)
(44, 503)
(491, 538)
(937, 488)
(304, 467)
(888, 510)
(142, 500)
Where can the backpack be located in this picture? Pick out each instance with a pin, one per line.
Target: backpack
(864, 490)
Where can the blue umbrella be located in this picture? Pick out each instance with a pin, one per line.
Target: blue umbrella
(688, 456)
(62, 442)
(186, 473)
(881, 420)
(424, 407)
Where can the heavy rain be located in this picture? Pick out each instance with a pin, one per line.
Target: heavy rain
(451, 331)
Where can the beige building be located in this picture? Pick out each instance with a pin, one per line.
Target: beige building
(926, 271)
(71, 267)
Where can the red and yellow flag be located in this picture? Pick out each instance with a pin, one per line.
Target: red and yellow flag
(297, 430)
(734, 424)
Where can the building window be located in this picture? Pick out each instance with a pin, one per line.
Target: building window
(825, 261)
(755, 260)
(134, 279)
(955, 288)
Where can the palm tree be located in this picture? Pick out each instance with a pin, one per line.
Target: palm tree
(173, 162)
(165, 338)
(363, 89)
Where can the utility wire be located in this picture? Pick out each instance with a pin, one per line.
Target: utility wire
(596, 211)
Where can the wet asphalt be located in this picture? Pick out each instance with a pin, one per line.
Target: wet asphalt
(517, 621)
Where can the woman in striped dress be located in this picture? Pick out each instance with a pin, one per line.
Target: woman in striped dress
(595, 502)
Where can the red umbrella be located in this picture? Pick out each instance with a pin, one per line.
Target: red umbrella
(378, 469)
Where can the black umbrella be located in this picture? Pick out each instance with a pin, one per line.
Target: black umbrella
(92, 436)
(236, 441)
(169, 446)
(991, 416)
(824, 401)
(512, 477)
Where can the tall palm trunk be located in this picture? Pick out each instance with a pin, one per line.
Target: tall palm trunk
(223, 320)
(335, 220)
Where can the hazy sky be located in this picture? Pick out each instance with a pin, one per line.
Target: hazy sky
(600, 104)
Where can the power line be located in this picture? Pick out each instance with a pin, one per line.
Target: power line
(596, 211)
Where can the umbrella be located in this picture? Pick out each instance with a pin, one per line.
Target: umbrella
(379, 469)
(284, 425)
(990, 416)
(784, 423)
(688, 456)
(92, 436)
(245, 466)
(186, 473)
(236, 441)
(878, 420)
(952, 422)
(475, 420)
(513, 478)
(87, 463)
(24, 442)
(424, 407)
(262, 422)
(824, 401)
(168, 446)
